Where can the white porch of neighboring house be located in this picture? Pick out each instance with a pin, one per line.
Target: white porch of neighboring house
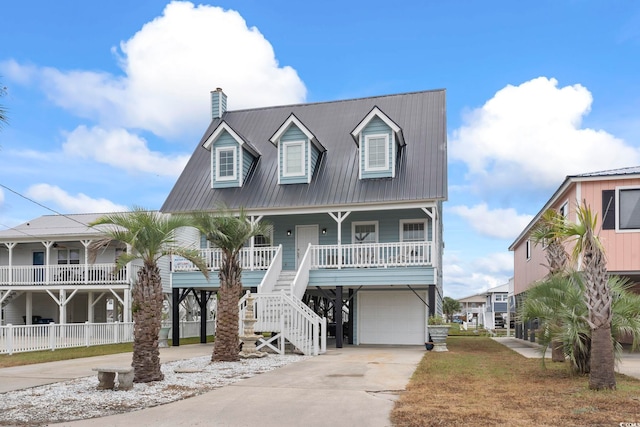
(54, 281)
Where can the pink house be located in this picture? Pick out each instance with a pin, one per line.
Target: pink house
(614, 196)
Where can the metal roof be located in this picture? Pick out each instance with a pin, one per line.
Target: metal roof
(49, 226)
(421, 171)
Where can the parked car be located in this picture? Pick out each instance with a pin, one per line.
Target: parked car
(499, 322)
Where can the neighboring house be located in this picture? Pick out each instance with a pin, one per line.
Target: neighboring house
(614, 196)
(353, 191)
(47, 274)
(485, 307)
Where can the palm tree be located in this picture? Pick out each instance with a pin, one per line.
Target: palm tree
(229, 233)
(559, 301)
(557, 258)
(589, 253)
(150, 236)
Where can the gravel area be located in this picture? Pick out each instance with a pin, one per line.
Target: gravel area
(79, 399)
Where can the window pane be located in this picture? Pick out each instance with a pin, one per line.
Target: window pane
(413, 232)
(62, 256)
(630, 209)
(294, 159)
(376, 153)
(225, 163)
(365, 233)
(74, 256)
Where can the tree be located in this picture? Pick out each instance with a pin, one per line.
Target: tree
(227, 232)
(557, 259)
(450, 306)
(588, 251)
(150, 235)
(559, 301)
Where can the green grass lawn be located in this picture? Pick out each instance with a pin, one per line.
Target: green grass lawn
(480, 382)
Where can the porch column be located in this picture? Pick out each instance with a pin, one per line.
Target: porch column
(351, 315)
(10, 246)
(85, 272)
(338, 217)
(63, 307)
(126, 309)
(90, 310)
(203, 316)
(28, 312)
(338, 307)
(175, 317)
(47, 261)
(254, 221)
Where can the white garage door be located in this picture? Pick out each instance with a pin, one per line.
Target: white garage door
(391, 317)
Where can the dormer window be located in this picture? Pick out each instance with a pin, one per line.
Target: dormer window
(376, 149)
(232, 157)
(294, 158)
(226, 164)
(379, 139)
(298, 152)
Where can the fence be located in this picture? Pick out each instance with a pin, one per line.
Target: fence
(24, 338)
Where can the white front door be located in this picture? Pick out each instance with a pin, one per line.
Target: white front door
(305, 234)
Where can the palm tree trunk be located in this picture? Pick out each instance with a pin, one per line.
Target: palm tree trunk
(557, 351)
(226, 347)
(147, 309)
(602, 375)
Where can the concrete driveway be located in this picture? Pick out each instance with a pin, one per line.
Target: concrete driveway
(352, 386)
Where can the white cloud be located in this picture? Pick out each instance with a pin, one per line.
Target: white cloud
(123, 150)
(532, 135)
(170, 66)
(80, 203)
(463, 279)
(497, 223)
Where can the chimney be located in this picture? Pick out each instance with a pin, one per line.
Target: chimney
(218, 103)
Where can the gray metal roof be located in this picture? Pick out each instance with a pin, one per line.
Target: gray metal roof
(49, 226)
(613, 172)
(421, 172)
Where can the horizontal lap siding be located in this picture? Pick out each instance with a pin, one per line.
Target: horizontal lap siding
(388, 229)
(621, 248)
(194, 279)
(372, 276)
(247, 160)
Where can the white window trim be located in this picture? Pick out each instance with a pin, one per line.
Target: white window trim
(367, 167)
(564, 207)
(618, 229)
(353, 230)
(287, 144)
(235, 164)
(413, 221)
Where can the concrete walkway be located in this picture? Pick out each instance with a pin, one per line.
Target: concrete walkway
(352, 386)
(628, 365)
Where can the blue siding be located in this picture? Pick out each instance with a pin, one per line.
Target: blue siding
(195, 279)
(315, 155)
(388, 229)
(372, 276)
(225, 140)
(501, 307)
(374, 127)
(248, 160)
(293, 134)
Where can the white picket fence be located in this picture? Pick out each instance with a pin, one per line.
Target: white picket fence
(24, 338)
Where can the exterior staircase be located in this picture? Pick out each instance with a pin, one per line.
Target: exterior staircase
(284, 282)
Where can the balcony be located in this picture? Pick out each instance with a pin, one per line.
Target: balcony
(372, 255)
(256, 259)
(75, 274)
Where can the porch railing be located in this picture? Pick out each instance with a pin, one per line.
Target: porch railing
(75, 274)
(24, 338)
(250, 259)
(398, 254)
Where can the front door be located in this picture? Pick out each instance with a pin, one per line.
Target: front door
(305, 234)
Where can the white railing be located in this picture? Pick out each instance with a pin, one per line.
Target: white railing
(24, 338)
(256, 259)
(74, 274)
(397, 254)
(273, 272)
(285, 315)
(300, 282)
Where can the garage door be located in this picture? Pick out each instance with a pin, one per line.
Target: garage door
(391, 317)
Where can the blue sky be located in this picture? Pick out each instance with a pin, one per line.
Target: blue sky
(107, 100)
